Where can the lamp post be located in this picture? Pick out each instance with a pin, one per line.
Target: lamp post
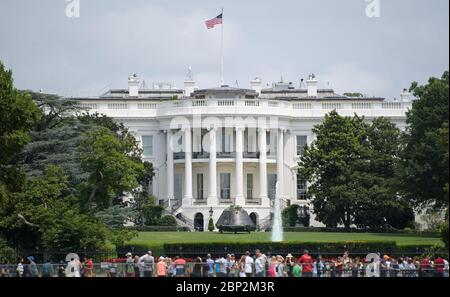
(211, 212)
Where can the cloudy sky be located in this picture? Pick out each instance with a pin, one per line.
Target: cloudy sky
(160, 39)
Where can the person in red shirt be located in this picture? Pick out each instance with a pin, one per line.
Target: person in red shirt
(425, 266)
(439, 264)
(306, 261)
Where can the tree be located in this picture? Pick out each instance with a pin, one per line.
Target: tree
(296, 214)
(352, 168)
(18, 116)
(113, 167)
(333, 164)
(423, 171)
(211, 225)
(116, 216)
(44, 215)
(381, 205)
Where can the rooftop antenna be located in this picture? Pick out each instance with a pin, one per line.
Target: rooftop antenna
(302, 83)
(190, 76)
(237, 84)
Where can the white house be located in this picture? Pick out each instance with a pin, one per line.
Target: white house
(212, 148)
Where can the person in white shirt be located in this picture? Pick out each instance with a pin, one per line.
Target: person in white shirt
(20, 268)
(260, 264)
(445, 268)
(248, 264)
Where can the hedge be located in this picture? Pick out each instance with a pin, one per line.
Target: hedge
(157, 228)
(354, 230)
(296, 248)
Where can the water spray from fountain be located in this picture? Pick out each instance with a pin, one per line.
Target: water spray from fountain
(277, 223)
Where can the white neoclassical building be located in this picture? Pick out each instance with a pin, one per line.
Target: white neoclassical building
(212, 148)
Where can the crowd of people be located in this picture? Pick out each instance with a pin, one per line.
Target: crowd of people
(247, 265)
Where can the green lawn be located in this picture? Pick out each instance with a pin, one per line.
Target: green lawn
(155, 240)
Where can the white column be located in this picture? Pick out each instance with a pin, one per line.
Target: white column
(280, 163)
(169, 171)
(239, 167)
(187, 201)
(212, 196)
(263, 166)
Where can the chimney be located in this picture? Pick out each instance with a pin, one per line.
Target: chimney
(256, 85)
(133, 86)
(405, 96)
(311, 84)
(189, 84)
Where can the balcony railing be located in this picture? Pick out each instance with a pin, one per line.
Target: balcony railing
(253, 201)
(227, 200)
(200, 155)
(226, 155)
(251, 155)
(179, 156)
(200, 201)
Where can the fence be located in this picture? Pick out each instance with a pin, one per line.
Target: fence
(201, 269)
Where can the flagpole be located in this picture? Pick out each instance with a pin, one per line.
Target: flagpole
(222, 82)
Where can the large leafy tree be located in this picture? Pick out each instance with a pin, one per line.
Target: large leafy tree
(113, 165)
(18, 116)
(58, 167)
(382, 205)
(333, 164)
(43, 215)
(423, 171)
(352, 169)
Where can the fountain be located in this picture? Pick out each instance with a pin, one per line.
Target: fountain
(277, 223)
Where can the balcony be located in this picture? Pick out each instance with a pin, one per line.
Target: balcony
(200, 201)
(253, 201)
(251, 155)
(229, 201)
(179, 156)
(200, 155)
(226, 155)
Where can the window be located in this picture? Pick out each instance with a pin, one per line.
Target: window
(250, 140)
(271, 185)
(249, 186)
(178, 184)
(271, 142)
(301, 142)
(301, 188)
(225, 140)
(225, 185)
(147, 145)
(200, 186)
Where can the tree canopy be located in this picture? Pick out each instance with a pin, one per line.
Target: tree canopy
(351, 168)
(423, 173)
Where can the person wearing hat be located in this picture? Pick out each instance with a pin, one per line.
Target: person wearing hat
(129, 265)
(161, 267)
(290, 264)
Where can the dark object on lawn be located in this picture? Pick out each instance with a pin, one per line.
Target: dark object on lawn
(235, 219)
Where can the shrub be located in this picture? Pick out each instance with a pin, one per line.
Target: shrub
(210, 225)
(296, 248)
(158, 228)
(167, 221)
(152, 213)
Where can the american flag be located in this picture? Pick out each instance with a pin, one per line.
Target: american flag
(213, 22)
